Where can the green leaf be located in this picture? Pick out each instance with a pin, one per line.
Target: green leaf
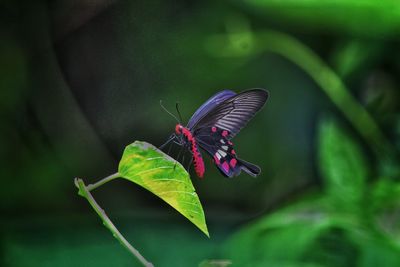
(147, 166)
(342, 164)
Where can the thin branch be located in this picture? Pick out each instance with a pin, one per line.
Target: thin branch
(91, 187)
(84, 192)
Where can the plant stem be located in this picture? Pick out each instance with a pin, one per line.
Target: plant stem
(84, 192)
(91, 187)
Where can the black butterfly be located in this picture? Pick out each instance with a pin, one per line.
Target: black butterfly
(213, 126)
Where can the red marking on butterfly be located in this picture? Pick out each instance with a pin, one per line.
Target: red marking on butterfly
(233, 162)
(225, 166)
(216, 160)
(197, 158)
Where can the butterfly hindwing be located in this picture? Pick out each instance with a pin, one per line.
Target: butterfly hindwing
(217, 145)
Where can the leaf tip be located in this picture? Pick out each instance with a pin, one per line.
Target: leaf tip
(204, 230)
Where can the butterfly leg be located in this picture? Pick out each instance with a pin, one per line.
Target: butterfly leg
(190, 164)
(183, 158)
(169, 148)
(170, 138)
(179, 154)
(186, 147)
(180, 151)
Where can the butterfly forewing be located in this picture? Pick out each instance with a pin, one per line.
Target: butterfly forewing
(233, 113)
(211, 103)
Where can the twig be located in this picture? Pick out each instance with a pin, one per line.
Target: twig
(84, 191)
(91, 187)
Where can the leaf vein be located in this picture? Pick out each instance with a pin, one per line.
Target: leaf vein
(177, 191)
(153, 169)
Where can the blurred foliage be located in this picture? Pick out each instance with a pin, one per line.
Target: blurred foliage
(338, 227)
(81, 79)
(337, 16)
(343, 165)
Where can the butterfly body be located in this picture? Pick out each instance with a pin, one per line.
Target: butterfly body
(191, 141)
(215, 123)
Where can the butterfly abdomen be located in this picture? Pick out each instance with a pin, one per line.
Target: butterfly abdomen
(197, 158)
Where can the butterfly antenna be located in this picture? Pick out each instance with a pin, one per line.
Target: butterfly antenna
(166, 110)
(177, 109)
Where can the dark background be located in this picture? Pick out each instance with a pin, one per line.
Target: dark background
(80, 80)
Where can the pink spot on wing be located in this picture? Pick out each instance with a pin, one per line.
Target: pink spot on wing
(216, 159)
(213, 129)
(230, 143)
(224, 133)
(233, 152)
(233, 162)
(225, 166)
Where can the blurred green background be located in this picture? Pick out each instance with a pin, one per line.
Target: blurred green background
(80, 80)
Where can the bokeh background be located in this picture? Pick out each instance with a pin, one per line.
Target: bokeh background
(80, 80)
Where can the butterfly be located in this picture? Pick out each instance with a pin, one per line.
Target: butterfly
(214, 125)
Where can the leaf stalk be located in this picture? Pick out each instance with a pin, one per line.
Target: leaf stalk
(84, 191)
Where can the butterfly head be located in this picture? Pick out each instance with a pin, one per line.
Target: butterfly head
(178, 129)
(183, 134)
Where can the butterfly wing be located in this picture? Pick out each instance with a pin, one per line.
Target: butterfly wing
(219, 119)
(210, 104)
(228, 111)
(214, 141)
